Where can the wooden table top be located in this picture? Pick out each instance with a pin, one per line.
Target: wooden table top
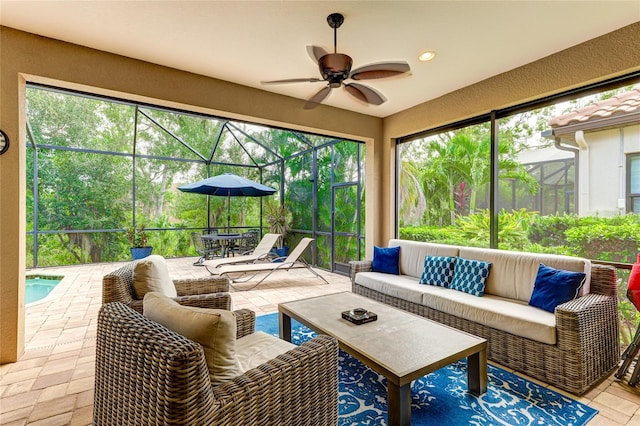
(400, 345)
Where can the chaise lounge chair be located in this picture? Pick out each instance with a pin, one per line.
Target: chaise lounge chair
(261, 252)
(294, 260)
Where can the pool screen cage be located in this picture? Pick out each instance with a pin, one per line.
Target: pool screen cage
(98, 166)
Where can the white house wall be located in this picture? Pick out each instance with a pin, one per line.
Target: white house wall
(603, 170)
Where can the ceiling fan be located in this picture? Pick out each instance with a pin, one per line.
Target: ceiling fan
(335, 68)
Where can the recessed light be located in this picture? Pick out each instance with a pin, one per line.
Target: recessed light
(427, 55)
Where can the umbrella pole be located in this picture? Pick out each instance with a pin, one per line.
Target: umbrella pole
(228, 214)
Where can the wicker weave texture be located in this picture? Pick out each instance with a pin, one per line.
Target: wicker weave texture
(207, 292)
(587, 347)
(149, 375)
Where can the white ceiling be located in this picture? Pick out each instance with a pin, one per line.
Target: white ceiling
(247, 42)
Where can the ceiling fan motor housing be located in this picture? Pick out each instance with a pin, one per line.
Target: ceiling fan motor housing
(335, 68)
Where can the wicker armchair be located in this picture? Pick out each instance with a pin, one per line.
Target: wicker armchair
(147, 374)
(206, 292)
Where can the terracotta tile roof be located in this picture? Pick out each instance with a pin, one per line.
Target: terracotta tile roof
(624, 103)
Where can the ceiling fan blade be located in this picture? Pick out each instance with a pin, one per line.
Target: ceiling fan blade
(293, 80)
(315, 53)
(315, 100)
(365, 93)
(381, 70)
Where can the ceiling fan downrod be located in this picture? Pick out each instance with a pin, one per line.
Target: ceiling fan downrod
(335, 20)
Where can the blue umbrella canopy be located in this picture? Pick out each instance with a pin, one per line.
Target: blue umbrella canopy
(228, 185)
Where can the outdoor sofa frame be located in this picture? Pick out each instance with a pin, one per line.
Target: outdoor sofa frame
(581, 357)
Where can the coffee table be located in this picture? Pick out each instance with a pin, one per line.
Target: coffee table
(399, 345)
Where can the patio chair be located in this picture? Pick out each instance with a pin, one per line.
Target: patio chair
(207, 249)
(206, 292)
(261, 252)
(147, 374)
(247, 243)
(294, 260)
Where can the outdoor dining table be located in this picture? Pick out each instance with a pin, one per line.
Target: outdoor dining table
(226, 240)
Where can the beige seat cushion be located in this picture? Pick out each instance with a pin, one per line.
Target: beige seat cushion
(405, 287)
(257, 348)
(151, 274)
(214, 329)
(513, 316)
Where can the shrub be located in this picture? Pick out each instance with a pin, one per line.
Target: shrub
(606, 242)
(512, 228)
(428, 233)
(550, 230)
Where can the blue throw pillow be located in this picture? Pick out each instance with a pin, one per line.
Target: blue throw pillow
(438, 270)
(554, 287)
(386, 259)
(470, 276)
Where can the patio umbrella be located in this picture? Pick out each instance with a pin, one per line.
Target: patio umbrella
(229, 185)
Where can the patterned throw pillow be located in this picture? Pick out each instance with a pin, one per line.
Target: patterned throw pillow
(438, 270)
(470, 276)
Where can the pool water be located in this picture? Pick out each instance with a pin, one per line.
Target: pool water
(39, 287)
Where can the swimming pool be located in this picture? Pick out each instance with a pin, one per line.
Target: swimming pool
(39, 286)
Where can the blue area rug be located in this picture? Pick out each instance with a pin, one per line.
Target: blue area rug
(441, 398)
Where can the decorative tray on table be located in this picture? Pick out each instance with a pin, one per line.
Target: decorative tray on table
(359, 316)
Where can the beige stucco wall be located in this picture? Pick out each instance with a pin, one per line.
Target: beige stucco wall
(26, 56)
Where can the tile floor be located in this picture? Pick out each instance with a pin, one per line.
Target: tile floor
(52, 383)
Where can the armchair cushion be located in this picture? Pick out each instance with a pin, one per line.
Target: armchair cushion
(257, 348)
(214, 329)
(151, 274)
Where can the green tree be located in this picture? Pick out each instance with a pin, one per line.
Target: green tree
(80, 190)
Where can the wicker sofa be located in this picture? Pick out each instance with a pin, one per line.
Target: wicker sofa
(572, 349)
(147, 374)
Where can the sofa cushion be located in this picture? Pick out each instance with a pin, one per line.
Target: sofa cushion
(214, 329)
(412, 254)
(386, 259)
(438, 270)
(554, 287)
(402, 286)
(513, 274)
(503, 314)
(151, 274)
(470, 276)
(257, 348)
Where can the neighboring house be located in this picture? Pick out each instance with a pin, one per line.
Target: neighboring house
(606, 138)
(554, 170)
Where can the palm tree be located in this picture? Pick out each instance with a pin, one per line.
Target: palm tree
(461, 165)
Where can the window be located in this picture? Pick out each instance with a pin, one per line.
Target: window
(633, 183)
(557, 184)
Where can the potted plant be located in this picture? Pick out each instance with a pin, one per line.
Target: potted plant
(138, 239)
(278, 218)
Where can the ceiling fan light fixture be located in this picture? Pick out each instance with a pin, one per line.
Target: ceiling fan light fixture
(335, 66)
(427, 55)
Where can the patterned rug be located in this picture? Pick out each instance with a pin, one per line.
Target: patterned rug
(441, 397)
